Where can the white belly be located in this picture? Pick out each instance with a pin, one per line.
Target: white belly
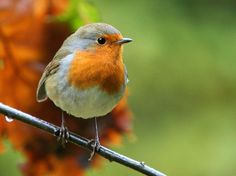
(92, 102)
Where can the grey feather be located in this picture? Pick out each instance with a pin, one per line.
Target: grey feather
(51, 69)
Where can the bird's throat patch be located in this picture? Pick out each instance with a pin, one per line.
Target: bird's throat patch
(99, 68)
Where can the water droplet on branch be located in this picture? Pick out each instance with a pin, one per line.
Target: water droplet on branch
(9, 119)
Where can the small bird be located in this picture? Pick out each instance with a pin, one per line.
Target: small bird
(87, 76)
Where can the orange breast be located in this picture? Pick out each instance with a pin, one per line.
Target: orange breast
(102, 67)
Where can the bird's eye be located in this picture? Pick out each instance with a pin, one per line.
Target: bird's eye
(101, 40)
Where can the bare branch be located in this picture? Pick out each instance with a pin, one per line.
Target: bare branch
(78, 140)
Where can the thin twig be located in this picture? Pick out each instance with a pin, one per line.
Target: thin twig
(78, 140)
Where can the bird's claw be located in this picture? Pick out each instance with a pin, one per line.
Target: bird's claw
(63, 135)
(95, 144)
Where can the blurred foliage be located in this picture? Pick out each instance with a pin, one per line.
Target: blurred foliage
(183, 84)
(9, 160)
(79, 12)
(30, 34)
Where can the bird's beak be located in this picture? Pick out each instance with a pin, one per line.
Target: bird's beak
(124, 40)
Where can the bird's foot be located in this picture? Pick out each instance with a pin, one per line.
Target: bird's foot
(63, 135)
(95, 144)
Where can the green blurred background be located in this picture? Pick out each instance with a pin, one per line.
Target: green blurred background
(182, 86)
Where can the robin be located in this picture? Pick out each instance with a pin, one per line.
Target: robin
(87, 76)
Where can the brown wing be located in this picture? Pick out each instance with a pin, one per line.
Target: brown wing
(51, 69)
